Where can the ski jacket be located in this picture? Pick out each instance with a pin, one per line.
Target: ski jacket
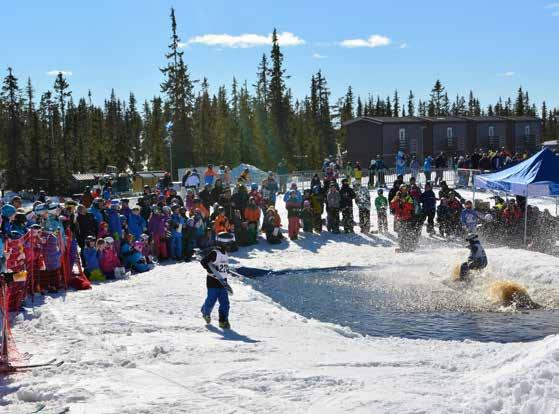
(252, 214)
(333, 200)
(222, 224)
(108, 260)
(96, 213)
(347, 195)
(381, 203)
(428, 164)
(469, 218)
(317, 203)
(428, 201)
(220, 261)
(363, 198)
(298, 196)
(156, 225)
(193, 181)
(113, 219)
(86, 226)
(136, 225)
(403, 208)
(476, 251)
(209, 176)
(269, 190)
(240, 200)
(91, 256)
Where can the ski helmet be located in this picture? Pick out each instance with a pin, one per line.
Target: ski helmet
(109, 240)
(90, 239)
(471, 237)
(254, 186)
(8, 210)
(380, 191)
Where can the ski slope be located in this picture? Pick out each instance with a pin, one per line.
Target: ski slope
(140, 346)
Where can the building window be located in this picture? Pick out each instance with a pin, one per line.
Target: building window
(450, 137)
(402, 138)
(527, 130)
(491, 131)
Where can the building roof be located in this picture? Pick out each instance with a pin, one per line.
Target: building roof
(379, 120)
(523, 118)
(485, 118)
(444, 119)
(86, 176)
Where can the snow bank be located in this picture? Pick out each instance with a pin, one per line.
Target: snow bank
(140, 346)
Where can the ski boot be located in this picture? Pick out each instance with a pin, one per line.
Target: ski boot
(224, 325)
(207, 318)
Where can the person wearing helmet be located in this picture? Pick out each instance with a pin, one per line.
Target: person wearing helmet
(477, 259)
(216, 264)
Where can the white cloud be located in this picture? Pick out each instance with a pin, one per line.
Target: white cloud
(373, 41)
(318, 56)
(554, 7)
(56, 72)
(404, 45)
(244, 40)
(506, 74)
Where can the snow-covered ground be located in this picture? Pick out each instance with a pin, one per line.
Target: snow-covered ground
(140, 346)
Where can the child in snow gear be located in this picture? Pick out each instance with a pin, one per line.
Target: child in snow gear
(429, 207)
(317, 206)
(346, 205)
(403, 207)
(333, 200)
(216, 264)
(381, 204)
(271, 225)
(363, 201)
(477, 259)
(307, 217)
(293, 206)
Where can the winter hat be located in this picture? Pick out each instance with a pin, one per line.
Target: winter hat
(41, 208)
(254, 186)
(115, 203)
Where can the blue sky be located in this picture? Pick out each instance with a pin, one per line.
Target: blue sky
(491, 47)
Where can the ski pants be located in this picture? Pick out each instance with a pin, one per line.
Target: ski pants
(364, 220)
(214, 295)
(372, 180)
(333, 219)
(382, 221)
(347, 218)
(317, 221)
(427, 176)
(472, 264)
(294, 224)
(160, 245)
(176, 245)
(430, 216)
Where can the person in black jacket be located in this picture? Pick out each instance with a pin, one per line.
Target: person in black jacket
(428, 202)
(346, 205)
(239, 200)
(440, 165)
(216, 263)
(206, 197)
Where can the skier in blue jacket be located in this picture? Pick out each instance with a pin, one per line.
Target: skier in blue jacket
(96, 210)
(469, 217)
(114, 221)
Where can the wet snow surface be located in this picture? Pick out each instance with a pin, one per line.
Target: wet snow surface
(140, 346)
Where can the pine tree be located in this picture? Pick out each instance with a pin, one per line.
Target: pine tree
(13, 139)
(437, 103)
(359, 107)
(519, 105)
(62, 93)
(134, 135)
(396, 104)
(278, 109)
(411, 104)
(180, 98)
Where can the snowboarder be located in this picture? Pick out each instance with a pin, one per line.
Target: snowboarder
(477, 259)
(216, 264)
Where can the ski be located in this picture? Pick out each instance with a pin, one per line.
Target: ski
(52, 363)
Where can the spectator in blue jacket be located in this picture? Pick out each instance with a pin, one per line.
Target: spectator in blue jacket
(136, 224)
(427, 167)
(96, 210)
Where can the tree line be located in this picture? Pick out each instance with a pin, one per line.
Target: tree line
(51, 135)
